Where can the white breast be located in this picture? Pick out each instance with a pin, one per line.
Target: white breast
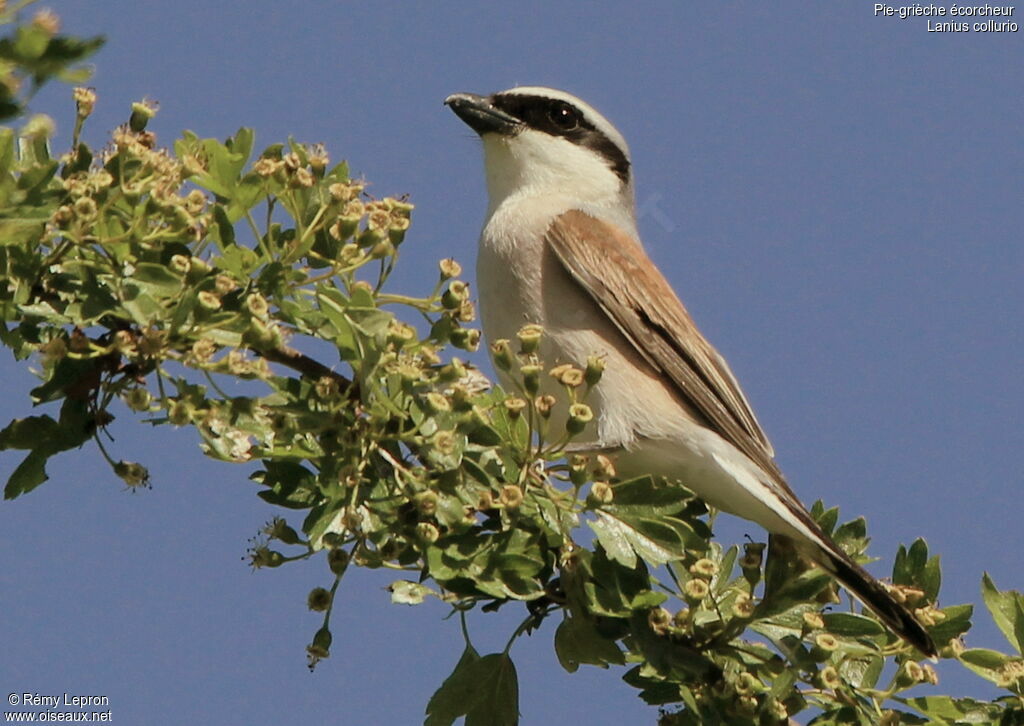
(521, 281)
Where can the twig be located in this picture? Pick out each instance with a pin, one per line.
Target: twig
(308, 367)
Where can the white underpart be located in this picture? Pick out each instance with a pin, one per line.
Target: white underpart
(532, 178)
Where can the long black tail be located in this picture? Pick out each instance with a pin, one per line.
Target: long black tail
(876, 597)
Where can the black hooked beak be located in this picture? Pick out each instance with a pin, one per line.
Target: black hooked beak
(481, 115)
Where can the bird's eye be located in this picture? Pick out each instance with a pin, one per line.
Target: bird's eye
(564, 116)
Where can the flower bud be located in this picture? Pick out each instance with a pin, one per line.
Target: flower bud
(748, 683)
(578, 469)
(485, 502)
(543, 405)
(437, 402)
(595, 368)
(824, 645)
(397, 229)
(382, 249)
(514, 405)
(826, 641)
(265, 557)
(400, 333)
(85, 208)
(208, 300)
(529, 338)
(337, 560)
(704, 568)
(466, 312)
(580, 414)
(181, 264)
(343, 228)
(257, 305)
(318, 158)
(501, 354)
(319, 599)
(813, 620)
(224, 284)
(449, 268)
(828, 677)
(511, 496)
(320, 648)
(457, 292)
(601, 492)
(452, 372)
(142, 112)
(660, 620)
(133, 474)
(743, 606)
(262, 335)
(326, 388)
(138, 399)
(85, 101)
(752, 553)
(466, 339)
(427, 532)
(604, 468)
(910, 675)
(280, 530)
(531, 378)
(568, 375)
(47, 21)
(179, 414)
(426, 503)
(696, 590)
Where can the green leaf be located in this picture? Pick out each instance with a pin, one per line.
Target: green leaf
(986, 663)
(668, 657)
(27, 433)
(608, 587)
(289, 485)
(30, 42)
(656, 539)
(241, 147)
(862, 672)
(909, 563)
(794, 592)
(19, 231)
(157, 280)
(498, 685)
(956, 622)
(913, 567)
(484, 690)
(653, 691)
(826, 518)
(648, 496)
(238, 260)
(1007, 610)
(457, 694)
(954, 710)
(29, 474)
(45, 437)
(852, 625)
(578, 641)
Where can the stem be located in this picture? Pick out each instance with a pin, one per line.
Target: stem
(465, 629)
(102, 449)
(523, 626)
(213, 383)
(307, 366)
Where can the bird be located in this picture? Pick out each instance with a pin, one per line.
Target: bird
(560, 249)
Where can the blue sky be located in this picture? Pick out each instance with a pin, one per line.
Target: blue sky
(836, 196)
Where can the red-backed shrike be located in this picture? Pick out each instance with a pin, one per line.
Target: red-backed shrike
(560, 249)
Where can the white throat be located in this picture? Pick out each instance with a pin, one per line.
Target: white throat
(533, 164)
